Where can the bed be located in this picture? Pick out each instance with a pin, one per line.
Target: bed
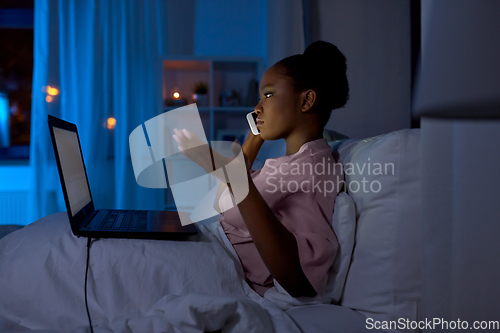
(133, 285)
(198, 286)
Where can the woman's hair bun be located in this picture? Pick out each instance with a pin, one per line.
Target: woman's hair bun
(326, 55)
(321, 67)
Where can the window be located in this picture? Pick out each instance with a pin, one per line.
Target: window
(16, 71)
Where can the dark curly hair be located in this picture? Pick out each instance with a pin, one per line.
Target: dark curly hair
(322, 68)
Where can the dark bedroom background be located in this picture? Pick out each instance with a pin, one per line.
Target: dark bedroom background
(381, 41)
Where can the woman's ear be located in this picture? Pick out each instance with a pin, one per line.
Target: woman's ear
(308, 100)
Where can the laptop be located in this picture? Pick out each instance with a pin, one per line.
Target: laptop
(85, 220)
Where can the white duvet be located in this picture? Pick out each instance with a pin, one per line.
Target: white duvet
(133, 285)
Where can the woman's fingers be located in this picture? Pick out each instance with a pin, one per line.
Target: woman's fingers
(180, 134)
(176, 138)
(187, 133)
(189, 143)
(184, 134)
(180, 139)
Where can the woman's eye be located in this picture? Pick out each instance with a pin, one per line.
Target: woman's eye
(267, 95)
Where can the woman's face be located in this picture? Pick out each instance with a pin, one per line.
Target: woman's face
(279, 107)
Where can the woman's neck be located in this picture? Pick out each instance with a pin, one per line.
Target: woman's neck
(294, 142)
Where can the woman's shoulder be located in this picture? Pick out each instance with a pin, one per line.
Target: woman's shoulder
(304, 179)
(310, 154)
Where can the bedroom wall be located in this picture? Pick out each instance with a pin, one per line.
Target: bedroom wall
(230, 28)
(458, 98)
(216, 28)
(375, 38)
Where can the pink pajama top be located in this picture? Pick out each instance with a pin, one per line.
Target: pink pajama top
(300, 189)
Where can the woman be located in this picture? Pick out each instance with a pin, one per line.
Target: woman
(282, 229)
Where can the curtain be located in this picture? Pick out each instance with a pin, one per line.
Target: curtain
(105, 58)
(285, 29)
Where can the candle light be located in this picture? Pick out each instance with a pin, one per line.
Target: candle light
(52, 91)
(111, 123)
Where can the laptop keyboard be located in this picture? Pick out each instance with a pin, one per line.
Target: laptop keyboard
(122, 220)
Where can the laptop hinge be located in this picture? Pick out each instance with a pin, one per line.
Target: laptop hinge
(87, 220)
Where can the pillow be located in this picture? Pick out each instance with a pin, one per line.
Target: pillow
(344, 226)
(383, 178)
(331, 135)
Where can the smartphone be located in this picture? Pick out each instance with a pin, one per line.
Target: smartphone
(251, 118)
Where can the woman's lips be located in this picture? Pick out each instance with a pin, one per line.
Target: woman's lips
(259, 122)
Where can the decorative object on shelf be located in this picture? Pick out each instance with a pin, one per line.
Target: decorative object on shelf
(176, 99)
(232, 134)
(252, 93)
(229, 97)
(200, 96)
(203, 80)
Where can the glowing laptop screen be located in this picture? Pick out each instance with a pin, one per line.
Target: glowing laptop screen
(73, 169)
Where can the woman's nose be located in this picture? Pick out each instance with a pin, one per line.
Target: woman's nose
(258, 107)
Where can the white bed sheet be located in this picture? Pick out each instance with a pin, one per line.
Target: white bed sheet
(133, 285)
(329, 318)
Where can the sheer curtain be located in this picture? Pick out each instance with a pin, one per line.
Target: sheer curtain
(104, 57)
(285, 29)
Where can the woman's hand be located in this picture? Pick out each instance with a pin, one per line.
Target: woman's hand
(194, 149)
(209, 159)
(186, 139)
(251, 148)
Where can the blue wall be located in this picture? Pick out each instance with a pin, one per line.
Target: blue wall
(231, 28)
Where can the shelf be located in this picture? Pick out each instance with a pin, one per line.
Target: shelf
(189, 65)
(230, 80)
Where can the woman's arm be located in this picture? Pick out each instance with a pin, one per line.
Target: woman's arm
(276, 245)
(196, 150)
(250, 147)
